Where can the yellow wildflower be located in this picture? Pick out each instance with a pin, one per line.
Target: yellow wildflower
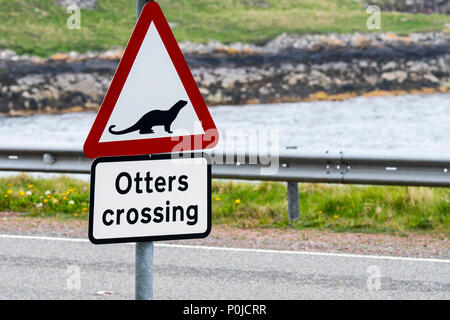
(21, 193)
(336, 217)
(218, 199)
(9, 192)
(30, 186)
(237, 201)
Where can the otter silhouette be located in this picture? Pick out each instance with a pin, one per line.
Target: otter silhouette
(154, 118)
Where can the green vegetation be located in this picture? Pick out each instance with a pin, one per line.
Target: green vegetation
(61, 197)
(38, 27)
(371, 209)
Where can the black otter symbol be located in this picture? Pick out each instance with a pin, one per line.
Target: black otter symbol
(154, 118)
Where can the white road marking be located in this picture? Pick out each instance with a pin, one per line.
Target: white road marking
(13, 236)
(182, 246)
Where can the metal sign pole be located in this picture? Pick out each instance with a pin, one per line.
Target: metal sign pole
(144, 250)
(139, 6)
(144, 271)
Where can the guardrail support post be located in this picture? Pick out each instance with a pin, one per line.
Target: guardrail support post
(293, 201)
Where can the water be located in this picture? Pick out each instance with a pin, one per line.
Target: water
(418, 124)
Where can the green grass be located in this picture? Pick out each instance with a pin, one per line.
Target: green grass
(370, 209)
(334, 207)
(61, 197)
(38, 27)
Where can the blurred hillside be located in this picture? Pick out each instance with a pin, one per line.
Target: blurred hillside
(38, 27)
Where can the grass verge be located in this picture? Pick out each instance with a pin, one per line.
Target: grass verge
(39, 27)
(369, 209)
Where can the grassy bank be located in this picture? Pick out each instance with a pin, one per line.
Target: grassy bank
(38, 27)
(370, 209)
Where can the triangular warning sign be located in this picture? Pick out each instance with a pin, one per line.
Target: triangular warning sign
(153, 104)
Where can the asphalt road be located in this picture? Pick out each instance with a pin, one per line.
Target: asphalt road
(56, 268)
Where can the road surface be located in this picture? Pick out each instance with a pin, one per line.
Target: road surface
(63, 268)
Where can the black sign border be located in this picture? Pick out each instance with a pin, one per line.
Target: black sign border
(165, 156)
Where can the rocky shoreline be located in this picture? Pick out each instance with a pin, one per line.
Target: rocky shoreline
(289, 68)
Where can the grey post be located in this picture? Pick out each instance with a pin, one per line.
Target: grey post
(139, 6)
(144, 271)
(293, 201)
(144, 250)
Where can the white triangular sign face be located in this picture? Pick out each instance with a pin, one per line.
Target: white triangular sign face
(152, 84)
(153, 101)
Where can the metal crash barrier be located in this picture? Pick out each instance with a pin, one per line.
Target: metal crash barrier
(291, 167)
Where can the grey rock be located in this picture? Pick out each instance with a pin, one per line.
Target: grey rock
(372, 79)
(430, 77)
(290, 67)
(398, 76)
(30, 80)
(363, 64)
(391, 65)
(412, 6)
(83, 4)
(259, 4)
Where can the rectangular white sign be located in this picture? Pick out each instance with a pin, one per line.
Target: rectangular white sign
(148, 198)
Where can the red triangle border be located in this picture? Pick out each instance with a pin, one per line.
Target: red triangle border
(93, 148)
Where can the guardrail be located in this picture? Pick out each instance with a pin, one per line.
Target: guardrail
(291, 167)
